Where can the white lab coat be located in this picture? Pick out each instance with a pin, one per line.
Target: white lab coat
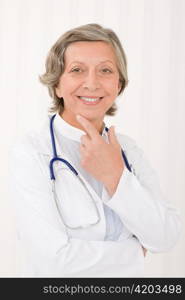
(49, 249)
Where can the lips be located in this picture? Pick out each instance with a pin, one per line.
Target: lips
(90, 97)
(90, 100)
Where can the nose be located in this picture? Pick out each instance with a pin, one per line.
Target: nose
(91, 81)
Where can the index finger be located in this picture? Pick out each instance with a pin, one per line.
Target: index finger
(88, 126)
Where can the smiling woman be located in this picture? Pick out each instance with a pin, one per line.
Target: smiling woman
(89, 83)
(93, 36)
(103, 208)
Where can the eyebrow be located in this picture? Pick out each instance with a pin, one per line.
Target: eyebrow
(80, 62)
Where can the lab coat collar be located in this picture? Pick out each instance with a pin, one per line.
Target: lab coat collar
(62, 128)
(65, 129)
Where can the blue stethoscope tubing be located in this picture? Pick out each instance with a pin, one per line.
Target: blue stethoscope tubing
(56, 158)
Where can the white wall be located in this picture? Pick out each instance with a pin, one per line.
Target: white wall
(151, 110)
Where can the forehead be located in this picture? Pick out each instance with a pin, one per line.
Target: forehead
(95, 51)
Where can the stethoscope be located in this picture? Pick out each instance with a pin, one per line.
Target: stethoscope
(75, 173)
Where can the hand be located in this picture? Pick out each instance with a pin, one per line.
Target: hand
(102, 160)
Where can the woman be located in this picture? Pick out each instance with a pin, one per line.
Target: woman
(101, 222)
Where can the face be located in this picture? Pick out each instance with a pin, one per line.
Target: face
(90, 82)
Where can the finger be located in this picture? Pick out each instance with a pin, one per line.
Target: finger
(88, 127)
(85, 140)
(112, 136)
(84, 153)
(82, 149)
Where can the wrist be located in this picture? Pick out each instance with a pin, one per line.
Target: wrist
(111, 182)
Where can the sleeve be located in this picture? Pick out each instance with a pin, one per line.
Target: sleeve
(49, 249)
(142, 207)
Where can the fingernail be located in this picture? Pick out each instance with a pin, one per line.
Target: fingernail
(78, 117)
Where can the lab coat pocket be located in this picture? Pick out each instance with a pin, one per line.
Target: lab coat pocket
(74, 201)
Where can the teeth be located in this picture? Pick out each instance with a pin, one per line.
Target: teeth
(90, 99)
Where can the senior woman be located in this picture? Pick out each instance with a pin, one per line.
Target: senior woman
(103, 207)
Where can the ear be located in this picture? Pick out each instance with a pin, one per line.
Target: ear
(119, 86)
(58, 92)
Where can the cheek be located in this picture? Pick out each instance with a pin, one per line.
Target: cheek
(67, 87)
(112, 88)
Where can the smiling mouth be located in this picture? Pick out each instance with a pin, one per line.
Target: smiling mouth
(90, 100)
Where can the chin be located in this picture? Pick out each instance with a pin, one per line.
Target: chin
(92, 116)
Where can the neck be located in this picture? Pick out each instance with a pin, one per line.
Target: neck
(98, 124)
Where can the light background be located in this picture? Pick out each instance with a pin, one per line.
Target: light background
(151, 110)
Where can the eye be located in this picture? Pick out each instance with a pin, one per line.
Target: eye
(77, 70)
(106, 70)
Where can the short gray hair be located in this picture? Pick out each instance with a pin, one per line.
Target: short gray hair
(55, 59)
